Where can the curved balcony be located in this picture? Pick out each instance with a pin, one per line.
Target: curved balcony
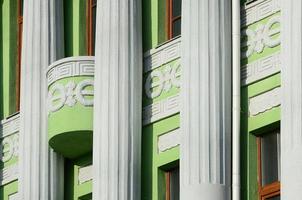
(70, 105)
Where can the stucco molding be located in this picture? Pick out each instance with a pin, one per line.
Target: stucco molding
(85, 174)
(168, 140)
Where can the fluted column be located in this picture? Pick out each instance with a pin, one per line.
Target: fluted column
(117, 97)
(205, 150)
(33, 183)
(56, 50)
(291, 107)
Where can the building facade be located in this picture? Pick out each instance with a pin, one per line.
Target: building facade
(138, 99)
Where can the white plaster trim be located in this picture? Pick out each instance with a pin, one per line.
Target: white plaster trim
(260, 69)
(161, 55)
(258, 10)
(265, 101)
(85, 174)
(168, 140)
(9, 126)
(9, 174)
(70, 67)
(161, 109)
(14, 196)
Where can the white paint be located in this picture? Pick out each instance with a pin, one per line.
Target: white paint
(9, 174)
(85, 174)
(258, 10)
(162, 55)
(260, 69)
(168, 140)
(14, 196)
(161, 109)
(265, 101)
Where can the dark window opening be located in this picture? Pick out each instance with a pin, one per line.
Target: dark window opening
(172, 184)
(91, 26)
(174, 18)
(269, 166)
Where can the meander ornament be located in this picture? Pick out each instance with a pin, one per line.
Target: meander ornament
(69, 94)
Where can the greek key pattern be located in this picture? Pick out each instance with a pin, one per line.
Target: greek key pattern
(161, 55)
(13, 196)
(9, 126)
(162, 80)
(69, 94)
(161, 109)
(265, 101)
(260, 69)
(259, 10)
(70, 69)
(85, 174)
(168, 140)
(9, 174)
(261, 37)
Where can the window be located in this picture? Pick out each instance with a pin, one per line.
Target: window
(91, 24)
(174, 18)
(172, 184)
(269, 166)
(19, 51)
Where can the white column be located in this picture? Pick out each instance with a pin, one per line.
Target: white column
(291, 109)
(56, 161)
(117, 97)
(33, 183)
(205, 150)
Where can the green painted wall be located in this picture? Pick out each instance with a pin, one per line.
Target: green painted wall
(75, 27)
(8, 58)
(251, 126)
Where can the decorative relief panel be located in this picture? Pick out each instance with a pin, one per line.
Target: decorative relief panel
(69, 94)
(71, 68)
(260, 69)
(9, 149)
(258, 10)
(261, 37)
(265, 101)
(85, 174)
(162, 72)
(13, 197)
(162, 55)
(168, 140)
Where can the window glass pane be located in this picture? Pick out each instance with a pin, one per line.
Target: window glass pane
(93, 28)
(176, 8)
(174, 184)
(274, 198)
(270, 158)
(176, 28)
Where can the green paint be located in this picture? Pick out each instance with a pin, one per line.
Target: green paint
(8, 189)
(75, 27)
(70, 128)
(74, 190)
(8, 59)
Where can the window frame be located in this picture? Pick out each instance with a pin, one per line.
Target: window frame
(89, 26)
(170, 18)
(19, 51)
(272, 189)
(168, 174)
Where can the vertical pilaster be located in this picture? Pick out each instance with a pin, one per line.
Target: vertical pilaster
(205, 155)
(117, 97)
(33, 183)
(56, 50)
(291, 109)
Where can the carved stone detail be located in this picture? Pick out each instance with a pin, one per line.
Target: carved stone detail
(9, 174)
(265, 101)
(161, 109)
(14, 196)
(85, 174)
(259, 10)
(168, 140)
(260, 68)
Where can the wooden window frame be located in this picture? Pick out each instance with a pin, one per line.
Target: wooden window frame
(170, 18)
(270, 190)
(89, 26)
(19, 52)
